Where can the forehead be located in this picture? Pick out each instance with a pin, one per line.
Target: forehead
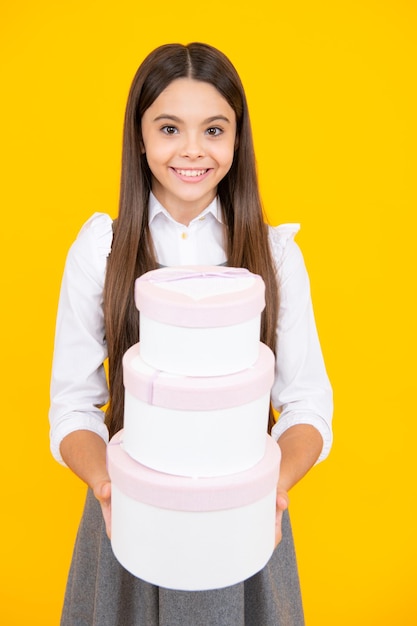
(186, 96)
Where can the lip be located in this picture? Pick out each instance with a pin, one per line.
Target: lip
(192, 176)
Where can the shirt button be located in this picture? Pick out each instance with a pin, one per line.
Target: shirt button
(184, 235)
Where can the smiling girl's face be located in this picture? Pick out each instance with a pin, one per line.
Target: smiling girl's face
(189, 135)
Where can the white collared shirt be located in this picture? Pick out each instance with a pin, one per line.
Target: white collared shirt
(176, 244)
(301, 391)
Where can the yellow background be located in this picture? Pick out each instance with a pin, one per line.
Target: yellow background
(331, 88)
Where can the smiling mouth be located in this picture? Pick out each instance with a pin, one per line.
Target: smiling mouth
(191, 173)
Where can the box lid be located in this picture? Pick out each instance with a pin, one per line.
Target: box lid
(200, 296)
(181, 493)
(201, 393)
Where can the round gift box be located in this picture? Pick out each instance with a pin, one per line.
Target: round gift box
(192, 534)
(196, 426)
(200, 320)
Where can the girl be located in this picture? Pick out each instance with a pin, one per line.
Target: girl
(189, 195)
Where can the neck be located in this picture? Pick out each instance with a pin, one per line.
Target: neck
(183, 212)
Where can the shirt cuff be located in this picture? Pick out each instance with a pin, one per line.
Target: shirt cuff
(286, 421)
(73, 422)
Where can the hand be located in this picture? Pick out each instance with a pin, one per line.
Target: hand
(281, 506)
(85, 453)
(102, 491)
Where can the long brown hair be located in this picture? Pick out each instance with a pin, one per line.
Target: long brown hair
(132, 251)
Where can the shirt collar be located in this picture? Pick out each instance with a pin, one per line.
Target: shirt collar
(156, 208)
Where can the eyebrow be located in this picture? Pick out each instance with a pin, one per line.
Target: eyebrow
(174, 118)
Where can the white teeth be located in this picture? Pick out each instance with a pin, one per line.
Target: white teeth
(191, 172)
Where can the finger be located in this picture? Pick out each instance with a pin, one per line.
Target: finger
(106, 491)
(103, 492)
(282, 502)
(278, 528)
(282, 499)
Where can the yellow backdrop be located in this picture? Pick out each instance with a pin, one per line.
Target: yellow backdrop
(331, 88)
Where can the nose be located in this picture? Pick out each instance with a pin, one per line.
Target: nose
(193, 146)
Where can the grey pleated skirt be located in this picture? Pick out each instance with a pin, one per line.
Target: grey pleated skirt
(100, 592)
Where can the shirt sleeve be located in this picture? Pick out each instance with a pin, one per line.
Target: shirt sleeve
(78, 382)
(301, 393)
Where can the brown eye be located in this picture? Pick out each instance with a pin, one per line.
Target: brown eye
(214, 131)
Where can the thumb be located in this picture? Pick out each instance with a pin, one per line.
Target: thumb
(282, 500)
(102, 491)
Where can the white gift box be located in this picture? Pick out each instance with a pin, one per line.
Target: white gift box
(192, 533)
(200, 320)
(196, 426)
